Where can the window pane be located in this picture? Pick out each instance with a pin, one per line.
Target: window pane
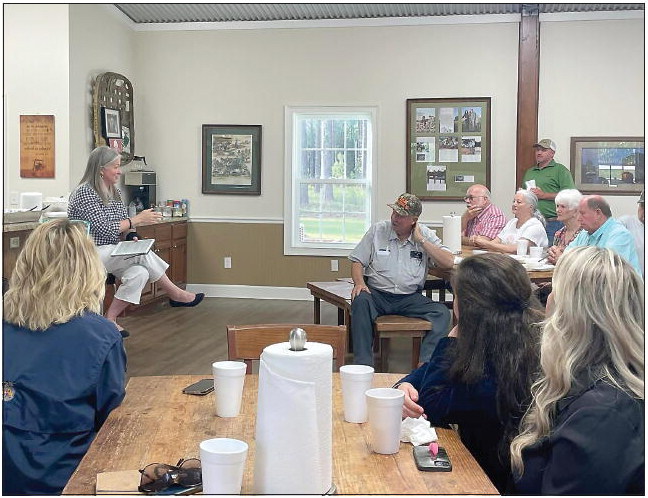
(333, 213)
(310, 164)
(309, 132)
(355, 165)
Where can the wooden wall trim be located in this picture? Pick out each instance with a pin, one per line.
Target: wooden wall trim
(528, 89)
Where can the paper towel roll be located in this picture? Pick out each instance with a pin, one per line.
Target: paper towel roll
(452, 233)
(294, 440)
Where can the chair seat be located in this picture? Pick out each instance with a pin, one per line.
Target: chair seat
(388, 326)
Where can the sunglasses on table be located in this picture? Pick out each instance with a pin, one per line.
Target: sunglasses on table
(158, 477)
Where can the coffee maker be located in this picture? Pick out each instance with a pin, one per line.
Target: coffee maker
(140, 188)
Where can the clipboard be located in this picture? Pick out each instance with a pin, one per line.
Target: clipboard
(133, 247)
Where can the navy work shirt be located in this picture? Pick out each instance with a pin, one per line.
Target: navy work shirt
(59, 385)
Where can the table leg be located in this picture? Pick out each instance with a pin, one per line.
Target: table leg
(316, 310)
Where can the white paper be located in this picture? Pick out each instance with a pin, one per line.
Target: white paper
(530, 184)
(294, 425)
(452, 233)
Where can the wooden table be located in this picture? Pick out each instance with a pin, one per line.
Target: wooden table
(338, 293)
(157, 423)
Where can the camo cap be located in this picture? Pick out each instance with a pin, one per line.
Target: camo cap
(407, 205)
(546, 143)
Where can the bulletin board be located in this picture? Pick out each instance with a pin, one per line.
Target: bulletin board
(448, 146)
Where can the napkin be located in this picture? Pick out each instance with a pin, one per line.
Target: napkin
(294, 424)
(417, 431)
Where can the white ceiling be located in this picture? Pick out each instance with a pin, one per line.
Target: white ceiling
(147, 13)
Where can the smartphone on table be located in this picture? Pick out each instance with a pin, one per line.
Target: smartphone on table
(200, 388)
(425, 461)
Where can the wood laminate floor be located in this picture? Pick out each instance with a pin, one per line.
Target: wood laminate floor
(176, 341)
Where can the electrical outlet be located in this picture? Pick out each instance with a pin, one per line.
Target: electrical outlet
(227, 262)
(14, 198)
(334, 265)
(14, 242)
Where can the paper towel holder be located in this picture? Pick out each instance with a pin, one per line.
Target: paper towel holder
(297, 339)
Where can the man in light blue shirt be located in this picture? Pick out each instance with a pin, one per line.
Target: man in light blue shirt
(601, 230)
(390, 265)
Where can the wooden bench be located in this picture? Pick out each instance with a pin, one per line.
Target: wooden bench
(388, 326)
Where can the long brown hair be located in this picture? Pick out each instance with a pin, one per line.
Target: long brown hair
(497, 327)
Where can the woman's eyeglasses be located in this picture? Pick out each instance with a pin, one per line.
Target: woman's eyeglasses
(157, 477)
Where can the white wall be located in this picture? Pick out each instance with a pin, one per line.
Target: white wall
(99, 42)
(186, 79)
(592, 85)
(36, 65)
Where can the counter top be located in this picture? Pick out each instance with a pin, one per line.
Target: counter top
(18, 227)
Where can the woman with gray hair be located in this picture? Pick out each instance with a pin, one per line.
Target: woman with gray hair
(527, 224)
(584, 431)
(567, 212)
(98, 201)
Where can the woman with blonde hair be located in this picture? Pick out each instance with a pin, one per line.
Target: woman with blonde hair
(528, 223)
(584, 431)
(63, 363)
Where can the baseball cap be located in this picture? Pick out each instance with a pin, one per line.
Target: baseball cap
(546, 143)
(407, 205)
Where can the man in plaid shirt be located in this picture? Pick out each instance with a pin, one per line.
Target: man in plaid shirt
(481, 217)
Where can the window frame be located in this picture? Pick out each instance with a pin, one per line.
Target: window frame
(291, 228)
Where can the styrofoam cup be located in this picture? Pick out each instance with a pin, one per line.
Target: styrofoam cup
(522, 245)
(536, 252)
(356, 380)
(229, 377)
(223, 463)
(384, 409)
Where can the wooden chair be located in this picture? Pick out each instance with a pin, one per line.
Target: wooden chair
(246, 342)
(388, 326)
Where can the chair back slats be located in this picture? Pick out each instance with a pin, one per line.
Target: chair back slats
(247, 342)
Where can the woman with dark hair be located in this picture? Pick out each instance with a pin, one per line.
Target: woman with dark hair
(480, 376)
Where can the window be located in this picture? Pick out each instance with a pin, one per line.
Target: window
(329, 171)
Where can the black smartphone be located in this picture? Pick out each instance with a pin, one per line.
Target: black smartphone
(425, 461)
(200, 388)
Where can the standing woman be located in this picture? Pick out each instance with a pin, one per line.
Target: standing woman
(584, 431)
(64, 365)
(98, 201)
(527, 224)
(567, 212)
(480, 376)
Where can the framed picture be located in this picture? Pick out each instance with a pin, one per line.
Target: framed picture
(231, 159)
(111, 124)
(608, 165)
(448, 146)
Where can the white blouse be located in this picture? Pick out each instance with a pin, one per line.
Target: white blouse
(531, 230)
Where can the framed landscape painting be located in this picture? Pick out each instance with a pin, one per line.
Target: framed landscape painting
(231, 156)
(608, 165)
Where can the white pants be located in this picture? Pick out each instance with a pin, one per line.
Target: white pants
(134, 271)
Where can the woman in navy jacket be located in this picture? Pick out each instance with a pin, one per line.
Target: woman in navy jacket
(584, 431)
(479, 377)
(63, 363)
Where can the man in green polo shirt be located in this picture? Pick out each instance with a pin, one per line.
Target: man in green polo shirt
(550, 178)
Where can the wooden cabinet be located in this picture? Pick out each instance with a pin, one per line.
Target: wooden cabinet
(12, 243)
(171, 246)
